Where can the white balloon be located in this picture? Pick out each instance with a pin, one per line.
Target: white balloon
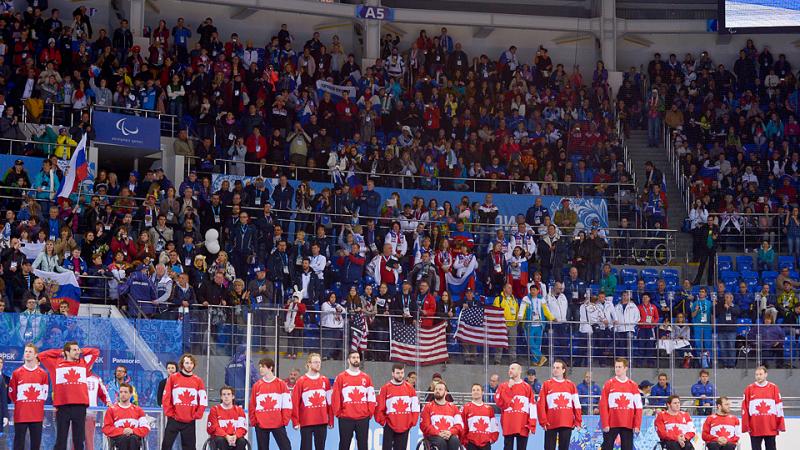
(212, 234)
(212, 247)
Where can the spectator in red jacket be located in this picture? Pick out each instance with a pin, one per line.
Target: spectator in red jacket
(428, 302)
(346, 115)
(256, 146)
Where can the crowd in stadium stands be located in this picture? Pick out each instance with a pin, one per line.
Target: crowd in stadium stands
(429, 111)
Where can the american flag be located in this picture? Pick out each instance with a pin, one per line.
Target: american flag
(432, 348)
(482, 326)
(359, 332)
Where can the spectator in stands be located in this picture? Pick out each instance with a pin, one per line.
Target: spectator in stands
(589, 393)
(707, 235)
(331, 325)
(726, 321)
(510, 306)
(770, 337)
(171, 367)
(121, 377)
(703, 390)
(660, 391)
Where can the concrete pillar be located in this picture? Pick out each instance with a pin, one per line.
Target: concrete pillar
(372, 38)
(608, 34)
(136, 19)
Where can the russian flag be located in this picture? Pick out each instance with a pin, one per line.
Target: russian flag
(462, 276)
(67, 289)
(77, 170)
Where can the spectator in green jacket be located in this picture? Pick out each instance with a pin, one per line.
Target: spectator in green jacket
(608, 284)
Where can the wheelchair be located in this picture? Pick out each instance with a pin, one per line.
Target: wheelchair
(425, 444)
(209, 444)
(109, 445)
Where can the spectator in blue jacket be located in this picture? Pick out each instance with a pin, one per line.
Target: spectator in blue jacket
(351, 266)
(140, 290)
(370, 201)
(704, 392)
(660, 392)
(589, 388)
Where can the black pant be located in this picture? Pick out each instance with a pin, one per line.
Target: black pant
(716, 446)
(562, 435)
(508, 442)
(755, 442)
(674, 445)
(316, 432)
(472, 446)
(451, 444)
(21, 428)
(67, 415)
(707, 258)
(173, 429)
(220, 443)
(130, 442)
(393, 440)
(262, 435)
(625, 437)
(346, 429)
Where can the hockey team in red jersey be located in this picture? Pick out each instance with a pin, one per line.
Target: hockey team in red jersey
(69, 369)
(559, 408)
(517, 409)
(353, 403)
(311, 405)
(125, 423)
(184, 402)
(480, 422)
(441, 423)
(722, 430)
(674, 427)
(226, 424)
(270, 407)
(28, 390)
(620, 408)
(397, 409)
(315, 400)
(762, 411)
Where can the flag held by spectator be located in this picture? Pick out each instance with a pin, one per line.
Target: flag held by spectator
(359, 332)
(404, 348)
(62, 286)
(482, 326)
(77, 170)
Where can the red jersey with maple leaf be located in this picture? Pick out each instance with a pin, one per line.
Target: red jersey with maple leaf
(559, 405)
(620, 404)
(670, 426)
(311, 401)
(353, 396)
(185, 397)
(270, 404)
(397, 406)
(28, 390)
(517, 408)
(118, 417)
(717, 426)
(224, 421)
(762, 410)
(69, 385)
(480, 423)
(436, 418)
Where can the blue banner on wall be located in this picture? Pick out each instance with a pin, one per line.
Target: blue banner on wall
(587, 208)
(127, 130)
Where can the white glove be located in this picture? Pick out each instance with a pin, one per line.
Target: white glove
(5, 422)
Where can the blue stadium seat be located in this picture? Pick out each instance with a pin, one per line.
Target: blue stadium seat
(724, 263)
(727, 275)
(670, 274)
(629, 276)
(769, 276)
(744, 326)
(748, 275)
(786, 261)
(744, 262)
